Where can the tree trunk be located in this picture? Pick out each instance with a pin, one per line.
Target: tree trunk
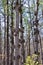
(0, 43)
(7, 33)
(5, 41)
(21, 37)
(17, 34)
(12, 35)
(36, 31)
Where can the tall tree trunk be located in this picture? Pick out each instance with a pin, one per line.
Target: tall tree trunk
(17, 34)
(0, 43)
(12, 34)
(5, 40)
(7, 33)
(21, 36)
(36, 31)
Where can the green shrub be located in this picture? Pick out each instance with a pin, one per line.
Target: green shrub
(30, 60)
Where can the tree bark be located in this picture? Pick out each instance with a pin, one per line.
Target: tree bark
(0, 43)
(12, 35)
(7, 33)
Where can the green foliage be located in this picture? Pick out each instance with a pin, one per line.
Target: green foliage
(30, 60)
(41, 2)
(5, 6)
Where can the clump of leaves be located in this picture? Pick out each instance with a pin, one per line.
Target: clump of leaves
(30, 60)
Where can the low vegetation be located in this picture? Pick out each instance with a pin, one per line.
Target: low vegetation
(30, 60)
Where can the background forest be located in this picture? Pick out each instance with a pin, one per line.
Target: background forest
(21, 32)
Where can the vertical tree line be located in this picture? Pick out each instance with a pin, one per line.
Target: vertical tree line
(7, 32)
(0, 43)
(14, 31)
